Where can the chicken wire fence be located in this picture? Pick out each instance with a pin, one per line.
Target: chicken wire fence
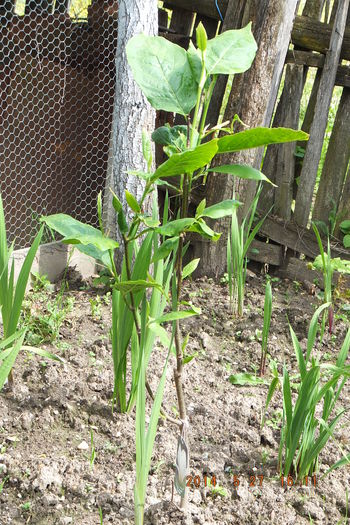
(57, 78)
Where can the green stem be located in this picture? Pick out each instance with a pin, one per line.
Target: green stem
(206, 106)
(199, 103)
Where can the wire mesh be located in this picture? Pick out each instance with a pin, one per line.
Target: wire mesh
(57, 78)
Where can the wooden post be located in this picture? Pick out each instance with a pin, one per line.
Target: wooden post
(344, 205)
(314, 148)
(279, 162)
(336, 162)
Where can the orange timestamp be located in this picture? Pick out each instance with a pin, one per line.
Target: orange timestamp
(286, 481)
(200, 481)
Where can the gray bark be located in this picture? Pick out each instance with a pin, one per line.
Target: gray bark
(318, 128)
(132, 112)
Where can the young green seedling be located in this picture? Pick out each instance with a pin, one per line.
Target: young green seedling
(266, 328)
(178, 81)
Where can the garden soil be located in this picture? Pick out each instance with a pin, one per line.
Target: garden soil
(57, 415)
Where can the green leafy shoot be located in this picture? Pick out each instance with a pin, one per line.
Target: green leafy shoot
(327, 271)
(240, 237)
(266, 327)
(304, 433)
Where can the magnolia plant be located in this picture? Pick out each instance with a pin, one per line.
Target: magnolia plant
(181, 82)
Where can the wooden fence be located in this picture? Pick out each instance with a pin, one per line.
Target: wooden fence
(319, 39)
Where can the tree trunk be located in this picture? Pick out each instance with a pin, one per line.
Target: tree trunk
(253, 98)
(132, 112)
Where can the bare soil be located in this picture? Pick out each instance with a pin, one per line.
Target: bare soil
(46, 424)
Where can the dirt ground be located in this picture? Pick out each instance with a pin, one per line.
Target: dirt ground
(46, 424)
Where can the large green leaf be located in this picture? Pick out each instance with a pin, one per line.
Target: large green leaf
(187, 161)
(253, 138)
(242, 171)
(221, 209)
(76, 232)
(163, 72)
(231, 52)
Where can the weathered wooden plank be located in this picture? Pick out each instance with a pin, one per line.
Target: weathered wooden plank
(336, 162)
(266, 253)
(318, 127)
(315, 36)
(307, 58)
(162, 19)
(181, 24)
(275, 163)
(297, 239)
(314, 8)
(297, 270)
(344, 205)
(203, 7)
(285, 168)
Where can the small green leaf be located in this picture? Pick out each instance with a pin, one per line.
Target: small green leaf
(221, 209)
(346, 241)
(117, 205)
(188, 358)
(243, 172)
(246, 379)
(123, 225)
(185, 342)
(147, 149)
(187, 161)
(204, 230)
(201, 37)
(190, 268)
(140, 174)
(200, 208)
(136, 286)
(345, 226)
(130, 199)
(164, 249)
(176, 227)
(174, 316)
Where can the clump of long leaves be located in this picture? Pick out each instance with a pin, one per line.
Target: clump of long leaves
(310, 413)
(266, 326)
(11, 300)
(240, 238)
(327, 271)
